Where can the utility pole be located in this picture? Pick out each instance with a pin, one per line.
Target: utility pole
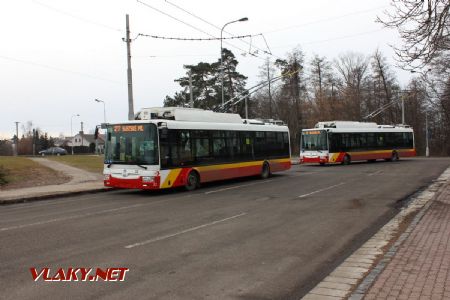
(129, 75)
(34, 142)
(191, 96)
(82, 133)
(16, 150)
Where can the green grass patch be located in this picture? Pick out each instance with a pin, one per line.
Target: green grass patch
(91, 163)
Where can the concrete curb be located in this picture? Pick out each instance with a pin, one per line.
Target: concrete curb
(52, 196)
(357, 273)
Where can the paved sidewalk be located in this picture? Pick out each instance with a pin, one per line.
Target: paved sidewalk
(81, 181)
(416, 266)
(420, 269)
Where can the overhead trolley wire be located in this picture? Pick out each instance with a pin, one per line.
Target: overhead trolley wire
(192, 39)
(324, 20)
(334, 39)
(217, 27)
(192, 26)
(77, 17)
(55, 68)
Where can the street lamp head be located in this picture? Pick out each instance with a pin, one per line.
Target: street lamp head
(243, 19)
(98, 100)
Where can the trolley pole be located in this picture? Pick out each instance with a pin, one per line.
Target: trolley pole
(129, 73)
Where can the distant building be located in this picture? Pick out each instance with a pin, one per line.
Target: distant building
(63, 142)
(88, 140)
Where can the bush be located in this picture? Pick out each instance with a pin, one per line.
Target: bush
(3, 174)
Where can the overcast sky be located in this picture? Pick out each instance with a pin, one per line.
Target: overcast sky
(57, 56)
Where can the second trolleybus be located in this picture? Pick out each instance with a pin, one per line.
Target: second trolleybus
(172, 147)
(345, 141)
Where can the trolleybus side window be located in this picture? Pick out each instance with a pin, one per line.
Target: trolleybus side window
(260, 144)
(201, 146)
(233, 145)
(220, 150)
(285, 143)
(246, 144)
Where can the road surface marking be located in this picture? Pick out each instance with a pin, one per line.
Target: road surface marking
(72, 217)
(238, 186)
(321, 190)
(163, 237)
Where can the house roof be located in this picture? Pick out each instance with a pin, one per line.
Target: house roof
(91, 138)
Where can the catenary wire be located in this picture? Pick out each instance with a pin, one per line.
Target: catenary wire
(325, 20)
(77, 17)
(192, 26)
(191, 39)
(55, 68)
(217, 27)
(333, 39)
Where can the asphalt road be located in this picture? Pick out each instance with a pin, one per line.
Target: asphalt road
(240, 239)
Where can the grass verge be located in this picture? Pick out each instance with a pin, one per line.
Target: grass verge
(91, 163)
(21, 172)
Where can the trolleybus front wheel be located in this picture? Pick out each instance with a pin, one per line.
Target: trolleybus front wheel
(192, 181)
(346, 160)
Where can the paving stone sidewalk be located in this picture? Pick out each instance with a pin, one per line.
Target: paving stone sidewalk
(415, 266)
(420, 269)
(81, 181)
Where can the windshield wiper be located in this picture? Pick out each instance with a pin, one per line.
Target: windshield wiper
(143, 167)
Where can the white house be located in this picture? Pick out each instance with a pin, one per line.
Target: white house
(82, 139)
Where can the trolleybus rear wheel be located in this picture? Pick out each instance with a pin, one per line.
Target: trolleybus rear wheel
(265, 171)
(394, 156)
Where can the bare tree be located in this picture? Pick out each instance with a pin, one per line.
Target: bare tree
(264, 96)
(321, 85)
(424, 27)
(384, 88)
(353, 69)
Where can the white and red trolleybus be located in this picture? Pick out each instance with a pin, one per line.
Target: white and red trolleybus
(345, 141)
(171, 147)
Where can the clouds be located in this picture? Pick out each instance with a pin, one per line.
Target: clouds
(58, 56)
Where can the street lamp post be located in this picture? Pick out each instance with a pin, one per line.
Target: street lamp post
(71, 130)
(221, 50)
(104, 108)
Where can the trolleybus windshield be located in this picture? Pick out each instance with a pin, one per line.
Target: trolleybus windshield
(314, 140)
(132, 144)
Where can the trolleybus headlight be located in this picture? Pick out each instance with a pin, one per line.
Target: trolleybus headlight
(147, 178)
(106, 177)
